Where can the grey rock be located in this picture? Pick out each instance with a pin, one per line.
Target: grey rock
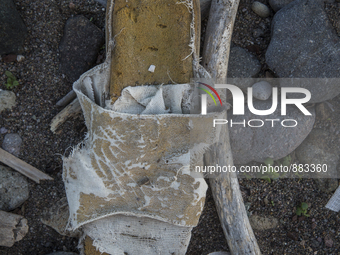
(12, 144)
(317, 150)
(13, 189)
(242, 64)
(278, 4)
(12, 29)
(259, 143)
(304, 44)
(57, 216)
(263, 223)
(7, 100)
(262, 90)
(79, 46)
(260, 9)
(13, 228)
(321, 89)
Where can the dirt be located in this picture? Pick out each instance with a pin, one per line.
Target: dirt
(42, 85)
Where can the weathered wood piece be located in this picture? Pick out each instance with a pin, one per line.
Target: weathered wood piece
(66, 99)
(22, 167)
(69, 111)
(13, 228)
(225, 187)
(152, 33)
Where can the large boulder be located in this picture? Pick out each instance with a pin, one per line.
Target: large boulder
(12, 144)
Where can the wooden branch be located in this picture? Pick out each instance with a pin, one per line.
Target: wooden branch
(66, 99)
(225, 187)
(69, 111)
(13, 228)
(22, 167)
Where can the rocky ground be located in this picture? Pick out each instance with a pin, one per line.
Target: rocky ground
(51, 64)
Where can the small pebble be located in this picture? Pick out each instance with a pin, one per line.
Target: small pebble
(258, 32)
(152, 68)
(12, 144)
(328, 242)
(262, 90)
(103, 2)
(260, 9)
(266, 201)
(72, 5)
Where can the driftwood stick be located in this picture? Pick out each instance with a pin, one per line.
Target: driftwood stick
(218, 37)
(225, 187)
(66, 99)
(13, 228)
(22, 167)
(71, 110)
